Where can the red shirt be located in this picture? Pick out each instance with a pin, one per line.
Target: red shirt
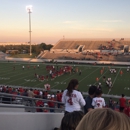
(51, 104)
(14, 93)
(127, 111)
(58, 97)
(122, 102)
(39, 103)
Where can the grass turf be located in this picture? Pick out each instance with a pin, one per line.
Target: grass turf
(26, 78)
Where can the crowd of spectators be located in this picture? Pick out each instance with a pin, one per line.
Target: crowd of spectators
(33, 93)
(80, 113)
(97, 116)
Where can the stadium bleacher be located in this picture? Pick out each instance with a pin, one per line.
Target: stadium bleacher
(108, 50)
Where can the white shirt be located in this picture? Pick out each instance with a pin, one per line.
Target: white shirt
(98, 102)
(50, 71)
(73, 103)
(40, 93)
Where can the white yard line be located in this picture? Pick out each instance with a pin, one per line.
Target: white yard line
(88, 75)
(101, 76)
(24, 72)
(114, 80)
(31, 79)
(67, 79)
(12, 71)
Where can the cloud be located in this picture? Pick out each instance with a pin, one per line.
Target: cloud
(69, 22)
(111, 21)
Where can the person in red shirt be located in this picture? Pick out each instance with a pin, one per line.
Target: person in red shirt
(97, 79)
(127, 109)
(51, 103)
(121, 72)
(122, 101)
(39, 103)
(59, 97)
(101, 72)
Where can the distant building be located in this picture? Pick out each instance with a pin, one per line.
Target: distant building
(16, 43)
(12, 51)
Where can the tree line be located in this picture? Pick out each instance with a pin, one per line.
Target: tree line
(26, 48)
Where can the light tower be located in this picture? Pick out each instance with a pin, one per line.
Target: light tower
(29, 10)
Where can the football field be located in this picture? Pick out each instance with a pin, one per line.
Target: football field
(89, 73)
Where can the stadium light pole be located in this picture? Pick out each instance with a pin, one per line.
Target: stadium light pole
(29, 10)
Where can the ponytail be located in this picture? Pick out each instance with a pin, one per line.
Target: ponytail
(71, 86)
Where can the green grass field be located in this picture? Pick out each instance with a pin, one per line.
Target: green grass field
(26, 78)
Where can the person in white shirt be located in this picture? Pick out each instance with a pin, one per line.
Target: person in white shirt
(40, 93)
(72, 98)
(98, 101)
(23, 67)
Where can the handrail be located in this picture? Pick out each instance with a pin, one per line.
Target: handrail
(10, 105)
(25, 97)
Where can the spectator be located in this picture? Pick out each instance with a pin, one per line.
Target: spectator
(110, 103)
(45, 107)
(98, 101)
(127, 109)
(31, 93)
(59, 98)
(122, 101)
(117, 106)
(72, 98)
(104, 119)
(51, 103)
(39, 103)
(25, 93)
(88, 100)
(71, 120)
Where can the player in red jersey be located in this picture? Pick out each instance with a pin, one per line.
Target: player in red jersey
(121, 72)
(101, 72)
(97, 79)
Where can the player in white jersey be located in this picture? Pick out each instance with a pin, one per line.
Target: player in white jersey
(98, 101)
(72, 98)
(23, 67)
(128, 69)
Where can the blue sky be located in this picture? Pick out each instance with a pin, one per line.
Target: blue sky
(51, 19)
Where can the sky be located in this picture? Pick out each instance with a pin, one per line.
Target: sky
(51, 20)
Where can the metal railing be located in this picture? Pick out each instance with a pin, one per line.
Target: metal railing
(15, 101)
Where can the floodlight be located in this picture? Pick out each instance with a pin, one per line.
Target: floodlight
(29, 8)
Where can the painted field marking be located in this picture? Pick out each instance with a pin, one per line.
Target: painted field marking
(101, 76)
(69, 78)
(21, 77)
(88, 75)
(114, 80)
(44, 71)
